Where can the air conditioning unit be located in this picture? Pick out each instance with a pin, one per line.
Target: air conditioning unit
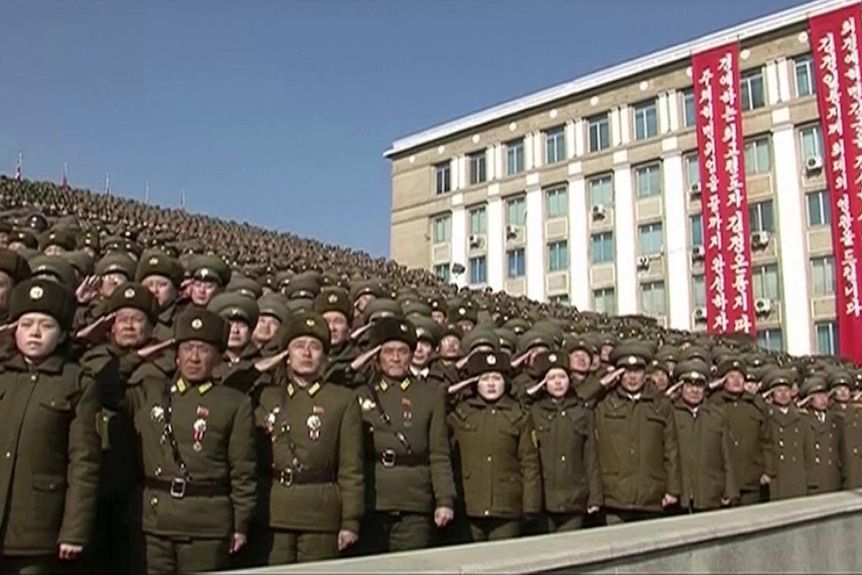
(512, 232)
(643, 262)
(475, 241)
(694, 189)
(760, 239)
(813, 164)
(598, 212)
(762, 306)
(699, 314)
(698, 253)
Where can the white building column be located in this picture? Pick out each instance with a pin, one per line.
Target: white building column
(459, 242)
(673, 110)
(624, 241)
(625, 124)
(615, 127)
(535, 250)
(498, 161)
(579, 262)
(528, 152)
(579, 138)
(490, 164)
(571, 148)
(663, 114)
(495, 239)
(771, 77)
(791, 243)
(677, 260)
(784, 90)
(454, 169)
(462, 172)
(538, 148)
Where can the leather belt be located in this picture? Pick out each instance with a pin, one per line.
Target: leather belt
(179, 488)
(388, 458)
(288, 477)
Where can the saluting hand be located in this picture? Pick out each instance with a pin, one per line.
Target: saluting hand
(443, 516)
(151, 350)
(8, 327)
(88, 290)
(268, 363)
(592, 509)
(612, 377)
(97, 329)
(346, 539)
(69, 551)
(237, 542)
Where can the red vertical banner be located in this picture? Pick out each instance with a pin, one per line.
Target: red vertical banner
(835, 47)
(730, 305)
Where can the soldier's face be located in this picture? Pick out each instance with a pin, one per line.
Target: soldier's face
(580, 361)
(110, 283)
(557, 383)
(491, 386)
(734, 382)
(37, 335)
(266, 290)
(6, 285)
(196, 360)
(605, 353)
(422, 355)
(240, 335)
(659, 380)
(89, 251)
(752, 387)
(131, 328)
(363, 302)
(633, 380)
(782, 395)
(53, 251)
(465, 326)
(17, 246)
(692, 393)
(450, 347)
(395, 358)
(439, 317)
(305, 356)
(264, 331)
(4, 240)
(338, 327)
(203, 292)
(819, 400)
(841, 394)
(161, 288)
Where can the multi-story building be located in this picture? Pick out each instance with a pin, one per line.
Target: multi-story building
(588, 192)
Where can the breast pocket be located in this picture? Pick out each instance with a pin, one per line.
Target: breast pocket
(54, 416)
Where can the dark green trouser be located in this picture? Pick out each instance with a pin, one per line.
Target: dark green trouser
(385, 532)
(281, 546)
(166, 555)
(753, 497)
(560, 522)
(493, 529)
(617, 516)
(39, 565)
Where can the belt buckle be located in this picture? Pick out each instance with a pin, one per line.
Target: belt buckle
(286, 477)
(387, 458)
(178, 488)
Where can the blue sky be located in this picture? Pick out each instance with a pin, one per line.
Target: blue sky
(277, 112)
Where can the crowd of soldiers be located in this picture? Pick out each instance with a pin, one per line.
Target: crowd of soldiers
(181, 393)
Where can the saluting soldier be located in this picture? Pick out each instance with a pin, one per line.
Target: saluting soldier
(162, 275)
(209, 275)
(850, 415)
(422, 366)
(197, 443)
(335, 307)
(49, 477)
(566, 431)
(273, 315)
(313, 498)
(241, 313)
(825, 442)
(790, 433)
(409, 482)
(13, 270)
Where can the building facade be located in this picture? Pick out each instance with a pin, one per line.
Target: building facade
(588, 193)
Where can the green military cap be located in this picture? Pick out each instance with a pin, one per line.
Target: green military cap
(365, 287)
(426, 329)
(244, 286)
(392, 328)
(695, 352)
(299, 304)
(135, 296)
(754, 373)
(630, 355)
(209, 268)
(488, 362)
(548, 360)
(463, 312)
(813, 384)
(14, 265)
(58, 237)
(857, 379)
(730, 364)
(667, 353)
(415, 307)
(308, 324)
(774, 377)
(534, 338)
(274, 305)
(54, 266)
(283, 278)
(334, 299)
(301, 286)
(195, 324)
(608, 338)
(234, 306)
(477, 337)
(450, 330)
(382, 308)
(438, 304)
(38, 295)
(24, 237)
(572, 344)
(156, 263)
(838, 378)
(508, 339)
(81, 262)
(517, 325)
(692, 371)
(117, 263)
(89, 240)
(657, 365)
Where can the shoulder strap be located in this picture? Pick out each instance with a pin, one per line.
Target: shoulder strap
(168, 433)
(387, 420)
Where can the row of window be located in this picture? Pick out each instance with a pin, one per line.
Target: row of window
(752, 95)
(516, 264)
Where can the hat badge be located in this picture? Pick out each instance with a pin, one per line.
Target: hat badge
(153, 261)
(492, 360)
(36, 292)
(631, 360)
(552, 358)
(309, 322)
(197, 323)
(403, 327)
(129, 293)
(332, 298)
(462, 311)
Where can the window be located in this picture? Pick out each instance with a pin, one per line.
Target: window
(819, 208)
(770, 339)
(751, 90)
(698, 290)
(478, 270)
(653, 301)
(562, 299)
(651, 239)
(761, 217)
(823, 276)
(515, 156)
(605, 301)
(602, 191)
(558, 256)
(646, 121)
(602, 247)
(555, 145)
(827, 337)
(443, 174)
(764, 280)
(442, 272)
(516, 268)
(812, 142)
(558, 201)
(516, 212)
(692, 169)
(696, 225)
(805, 79)
(599, 132)
(478, 221)
(689, 108)
(648, 180)
(442, 229)
(477, 167)
(758, 156)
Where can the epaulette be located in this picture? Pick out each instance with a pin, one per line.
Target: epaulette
(802, 410)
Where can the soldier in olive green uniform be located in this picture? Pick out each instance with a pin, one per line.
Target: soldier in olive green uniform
(495, 443)
(790, 435)
(209, 275)
(312, 485)
(567, 444)
(197, 444)
(638, 443)
(423, 367)
(409, 482)
(335, 307)
(850, 415)
(241, 313)
(13, 270)
(825, 443)
(587, 385)
(708, 480)
(162, 275)
(50, 474)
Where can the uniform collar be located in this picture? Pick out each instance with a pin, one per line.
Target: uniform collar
(293, 388)
(167, 314)
(415, 372)
(53, 364)
(387, 384)
(182, 387)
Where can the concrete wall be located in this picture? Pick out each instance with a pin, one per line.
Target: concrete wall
(810, 535)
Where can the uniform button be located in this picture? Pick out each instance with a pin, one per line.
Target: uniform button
(816, 446)
(487, 512)
(780, 430)
(632, 451)
(158, 470)
(792, 459)
(8, 454)
(780, 443)
(562, 458)
(855, 451)
(154, 501)
(489, 458)
(493, 411)
(563, 413)
(52, 403)
(52, 486)
(736, 443)
(34, 377)
(816, 460)
(781, 457)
